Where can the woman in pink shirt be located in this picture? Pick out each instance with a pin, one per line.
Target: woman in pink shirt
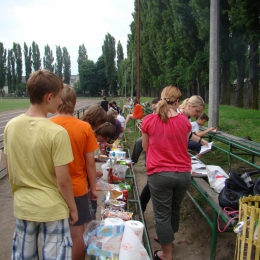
(165, 140)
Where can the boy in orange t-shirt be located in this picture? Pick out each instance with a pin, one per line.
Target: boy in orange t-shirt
(82, 169)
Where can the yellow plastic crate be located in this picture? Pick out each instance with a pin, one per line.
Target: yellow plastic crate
(248, 243)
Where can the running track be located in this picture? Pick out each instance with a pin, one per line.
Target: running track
(6, 116)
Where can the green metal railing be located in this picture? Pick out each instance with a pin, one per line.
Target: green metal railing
(236, 147)
(77, 113)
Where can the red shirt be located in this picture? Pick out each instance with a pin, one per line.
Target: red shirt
(167, 149)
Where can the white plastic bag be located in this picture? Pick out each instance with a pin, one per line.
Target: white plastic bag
(216, 177)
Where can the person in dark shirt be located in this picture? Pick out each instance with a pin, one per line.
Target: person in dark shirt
(104, 103)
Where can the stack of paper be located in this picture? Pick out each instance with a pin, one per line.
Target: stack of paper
(198, 168)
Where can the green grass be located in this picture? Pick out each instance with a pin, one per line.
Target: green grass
(11, 104)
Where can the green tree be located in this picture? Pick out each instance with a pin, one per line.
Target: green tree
(48, 59)
(13, 71)
(119, 54)
(77, 88)
(82, 55)
(239, 45)
(59, 62)
(9, 70)
(252, 9)
(101, 79)
(36, 56)
(28, 61)
(120, 71)
(109, 53)
(18, 62)
(66, 66)
(2, 65)
(88, 77)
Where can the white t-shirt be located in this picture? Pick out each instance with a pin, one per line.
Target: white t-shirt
(195, 126)
(121, 119)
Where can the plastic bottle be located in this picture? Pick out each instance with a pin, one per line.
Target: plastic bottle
(125, 197)
(110, 176)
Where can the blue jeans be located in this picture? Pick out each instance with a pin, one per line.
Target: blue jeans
(167, 192)
(194, 146)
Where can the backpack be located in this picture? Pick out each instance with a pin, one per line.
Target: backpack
(237, 186)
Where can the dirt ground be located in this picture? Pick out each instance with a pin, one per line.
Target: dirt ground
(192, 241)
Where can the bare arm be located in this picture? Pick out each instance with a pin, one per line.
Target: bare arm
(145, 140)
(92, 174)
(65, 188)
(202, 133)
(197, 139)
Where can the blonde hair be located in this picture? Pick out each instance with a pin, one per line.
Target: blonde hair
(95, 115)
(68, 97)
(112, 112)
(169, 95)
(194, 101)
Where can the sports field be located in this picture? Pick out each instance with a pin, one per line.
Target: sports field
(10, 104)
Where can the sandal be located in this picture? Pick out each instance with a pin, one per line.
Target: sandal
(157, 240)
(155, 256)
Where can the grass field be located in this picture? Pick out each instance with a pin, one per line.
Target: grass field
(10, 104)
(16, 103)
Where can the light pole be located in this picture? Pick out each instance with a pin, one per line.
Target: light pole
(214, 64)
(125, 84)
(132, 78)
(138, 52)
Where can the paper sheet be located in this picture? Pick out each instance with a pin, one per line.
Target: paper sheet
(205, 148)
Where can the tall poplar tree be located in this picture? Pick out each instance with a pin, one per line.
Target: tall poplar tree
(109, 53)
(101, 81)
(36, 56)
(66, 66)
(2, 65)
(27, 61)
(83, 56)
(48, 59)
(9, 70)
(59, 62)
(18, 62)
(119, 54)
(120, 58)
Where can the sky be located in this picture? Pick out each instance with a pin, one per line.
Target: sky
(66, 24)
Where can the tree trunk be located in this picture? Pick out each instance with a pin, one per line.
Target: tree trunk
(200, 88)
(240, 81)
(225, 83)
(253, 75)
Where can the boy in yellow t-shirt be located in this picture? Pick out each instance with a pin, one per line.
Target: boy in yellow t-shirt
(37, 153)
